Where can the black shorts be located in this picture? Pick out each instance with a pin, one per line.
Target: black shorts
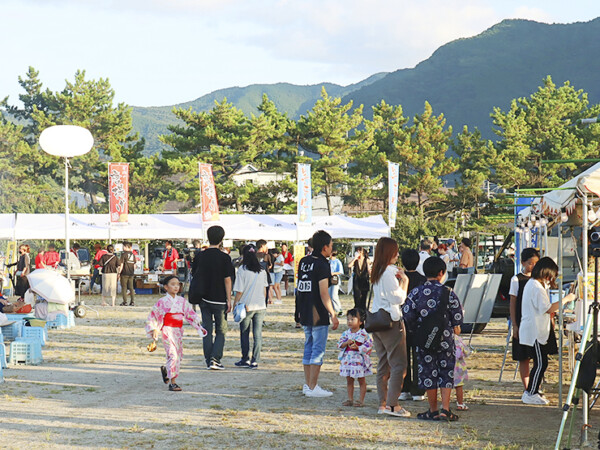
(522, 352)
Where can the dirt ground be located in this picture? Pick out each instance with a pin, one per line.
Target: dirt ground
(99, 387)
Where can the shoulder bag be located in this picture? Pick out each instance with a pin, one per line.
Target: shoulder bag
(379, 320)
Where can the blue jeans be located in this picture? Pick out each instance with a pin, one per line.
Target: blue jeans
(314, 344)
(255, 320)
(335, 297)
(96, 277)
(210, 311)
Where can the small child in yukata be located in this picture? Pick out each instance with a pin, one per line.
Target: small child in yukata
(167, 317)
(460, 372)
(355, 346)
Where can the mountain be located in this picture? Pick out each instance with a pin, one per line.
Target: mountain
(464, 79)
(295, 100)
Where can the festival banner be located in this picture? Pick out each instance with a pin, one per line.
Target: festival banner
(304, 194)
(208, 194)
(299, 251)
(393, 180)
(118, 192)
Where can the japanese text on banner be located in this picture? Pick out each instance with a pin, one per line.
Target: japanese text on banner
(208, 194)
(393, 180)
(118, 190)
(304, 194)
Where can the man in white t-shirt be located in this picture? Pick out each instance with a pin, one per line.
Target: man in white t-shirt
(425, 253)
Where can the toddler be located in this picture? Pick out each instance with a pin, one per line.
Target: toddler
(355, 363)
(460, 372)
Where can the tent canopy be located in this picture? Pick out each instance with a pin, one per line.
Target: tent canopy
(187, 226)
(565, 196)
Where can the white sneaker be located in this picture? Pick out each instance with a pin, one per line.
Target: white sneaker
(535, 399)
(418, 398)
(397, 412)
(318, 391)
(305, 389)
(404, 396)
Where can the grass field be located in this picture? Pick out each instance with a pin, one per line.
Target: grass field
(99, 387)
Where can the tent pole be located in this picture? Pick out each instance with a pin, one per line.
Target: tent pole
(560, 317)
(584, 252)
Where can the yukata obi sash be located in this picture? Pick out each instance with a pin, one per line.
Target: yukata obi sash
(174, 320)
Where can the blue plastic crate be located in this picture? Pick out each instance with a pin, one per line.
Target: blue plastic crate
(20, 316)
(3, 363)
(25, 351)
(60, 323)
(1, 376)
(36, 333)
(143, 291)
(13, 331)
(71, 319)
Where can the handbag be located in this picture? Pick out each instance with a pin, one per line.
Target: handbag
(239, 310)
(428, 334)
(335, 279)
(381, 320)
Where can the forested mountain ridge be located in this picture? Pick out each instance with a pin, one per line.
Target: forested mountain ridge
(464, 79)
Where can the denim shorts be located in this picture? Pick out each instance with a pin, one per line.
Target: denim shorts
(277, 277)
(314, 344)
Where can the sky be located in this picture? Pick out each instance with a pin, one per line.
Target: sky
(164, 52)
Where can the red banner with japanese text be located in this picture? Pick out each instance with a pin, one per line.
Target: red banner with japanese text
(208, 194)
(118, 192)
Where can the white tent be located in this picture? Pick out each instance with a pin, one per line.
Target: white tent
(565, 196)
(189, 226)
(7, 226)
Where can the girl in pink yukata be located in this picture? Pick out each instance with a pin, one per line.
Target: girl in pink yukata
(355, 346)
(167, 316)
(460, 371)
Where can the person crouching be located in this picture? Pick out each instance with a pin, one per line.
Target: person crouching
(167, 316)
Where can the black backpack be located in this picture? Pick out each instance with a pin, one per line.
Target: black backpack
(428, 334)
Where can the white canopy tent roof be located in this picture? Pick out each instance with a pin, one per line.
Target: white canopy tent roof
(7, 226)
(565, 196)
(187, 226)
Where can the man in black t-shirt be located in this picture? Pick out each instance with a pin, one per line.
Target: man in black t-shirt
(212, 275)
(126, 270)
(313, 310)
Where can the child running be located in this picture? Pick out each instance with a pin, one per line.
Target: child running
(355, 347)
(460, 372)
(167, 316)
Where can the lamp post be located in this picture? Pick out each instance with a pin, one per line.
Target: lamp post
(66, 141)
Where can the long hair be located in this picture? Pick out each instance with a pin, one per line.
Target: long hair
(385, 250)
(250, 261)
(545, 269)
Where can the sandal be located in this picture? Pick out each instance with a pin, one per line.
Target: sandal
(447, 415)
(462, 406)
(163, 372)
(174, 387)
(429, 415)
(358, 404)
(348, 403)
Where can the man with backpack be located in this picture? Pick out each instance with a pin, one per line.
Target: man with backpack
(433, 314)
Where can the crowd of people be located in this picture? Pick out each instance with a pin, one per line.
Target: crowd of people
(413, 363)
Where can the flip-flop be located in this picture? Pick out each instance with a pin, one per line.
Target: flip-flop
(165, 376)
(429, 415)
(348, 403)
(358, 404)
